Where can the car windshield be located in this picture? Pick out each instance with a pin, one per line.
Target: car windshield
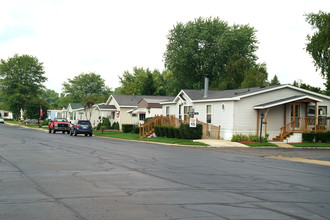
(61, 120)
(84, 122)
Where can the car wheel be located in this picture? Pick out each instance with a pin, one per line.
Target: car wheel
(68, 132)
(50, 131)
(63, 132)
(91, 134)
(75, 133)
(71, 133)
(54, 131)
(85, 135)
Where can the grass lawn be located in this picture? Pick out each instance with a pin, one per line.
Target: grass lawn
(257, 144)
(128, 136)
(310, 144)
(26, 125)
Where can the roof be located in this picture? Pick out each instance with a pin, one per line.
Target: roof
(106, 107)
(158, 99)
(132, 100)
(286, 100)
(236, 94)
(76, 105)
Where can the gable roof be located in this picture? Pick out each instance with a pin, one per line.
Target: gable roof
(285, 101)
(130, 101)
(106, 107)
(76, 105)
(236, 94)
(157, 99)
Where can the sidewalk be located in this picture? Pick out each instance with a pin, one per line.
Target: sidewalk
(221, 143)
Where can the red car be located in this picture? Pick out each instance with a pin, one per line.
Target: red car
(59, 124)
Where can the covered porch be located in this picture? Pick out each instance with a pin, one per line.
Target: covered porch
(300, 114)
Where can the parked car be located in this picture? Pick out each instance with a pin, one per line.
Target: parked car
(82, 127)
(2, 120)
(59, 124)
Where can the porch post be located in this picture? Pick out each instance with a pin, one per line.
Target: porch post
(306, 108)
(284, 117)
(257, 122)
(266, 113)
(315, 117)
(294, 116)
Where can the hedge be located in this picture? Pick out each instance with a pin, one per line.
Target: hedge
(127, 128)
(183, 132)
(115, 126)
(106, 123)
(253, 138)
(317, 137)
(136, 130)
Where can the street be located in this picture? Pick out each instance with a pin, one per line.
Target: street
(55, 176)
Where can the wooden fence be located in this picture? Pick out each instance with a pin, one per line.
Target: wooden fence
(146, 129)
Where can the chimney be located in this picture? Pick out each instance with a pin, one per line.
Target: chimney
(206, 85)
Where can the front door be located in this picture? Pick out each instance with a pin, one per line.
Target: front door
(297, 115)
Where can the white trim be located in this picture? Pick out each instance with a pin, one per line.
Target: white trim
(217, 100)
(178, 96)
(287, 101)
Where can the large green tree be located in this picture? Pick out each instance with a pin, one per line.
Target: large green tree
(21, 79)
(204, 46)
(86, 88)
(142, 82)
(51, 97)
(318, 45)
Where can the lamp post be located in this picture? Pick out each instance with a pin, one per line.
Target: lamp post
(262, 115)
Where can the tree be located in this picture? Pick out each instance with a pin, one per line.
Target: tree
(51, 97)
(204, 46)
(142, 82)
(318, 45)
(21, 79)
(255, 77)
(274, 81)
(302, 85)
(86, 88)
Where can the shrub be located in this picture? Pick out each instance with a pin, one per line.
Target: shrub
(165, 129)
(171, 132)
(157, 132)
(45, 123)
(98, 127)
(147, 119)
(198, 131)
(115, 126)
(136, 130)
(318, 137)
(161, 131)
(176, 133)
(239, 138)
(106, 123)
(187, 133)
(127, 128)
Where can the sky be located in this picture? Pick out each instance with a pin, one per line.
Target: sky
(109, 37)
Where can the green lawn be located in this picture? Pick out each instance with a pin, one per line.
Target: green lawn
(257, 144)
(26, 125)
(128, 136)
(310, 144)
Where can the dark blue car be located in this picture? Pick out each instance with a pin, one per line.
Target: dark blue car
(82, 127)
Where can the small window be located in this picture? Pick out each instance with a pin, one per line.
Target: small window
(167, 110)
(209, 113)
(142, 116)
(322, 111)
(186, 110)
(113, 115)
(134, 115)
(5, 114)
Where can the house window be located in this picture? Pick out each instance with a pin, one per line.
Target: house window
(134, 115)
(322, 111)
(142, 116)
(5, 114)
(167, 110)
(113, 115)
(186, 109)
(180, 112)
(208, 113)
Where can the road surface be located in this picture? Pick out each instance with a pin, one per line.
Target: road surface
(55, 176)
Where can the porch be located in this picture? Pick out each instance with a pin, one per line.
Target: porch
(302, 112)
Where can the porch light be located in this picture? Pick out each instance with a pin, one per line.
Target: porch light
(262, 115)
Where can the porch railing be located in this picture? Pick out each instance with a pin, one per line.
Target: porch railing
(146, 129)
(305, 124)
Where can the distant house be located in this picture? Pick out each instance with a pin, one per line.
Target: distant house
(101, 111)
(287, 110)
(124, 108)
(149, 107)
(53, 113)
(6, 114)
(74, 111)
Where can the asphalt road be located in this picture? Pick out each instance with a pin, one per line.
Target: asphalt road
(55, 176)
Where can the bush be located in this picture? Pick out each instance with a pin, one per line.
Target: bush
(156, 129)
(198, 131)
(170, 132)
(106, 123)
(136, 130)
(176, 133)
(239, 138)
(161, 131)
(165, 129)
(115, 126)
(127, 128)
(318, 137)
(186, 132)
(98, 127)
(252, 138)
(45, 123)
